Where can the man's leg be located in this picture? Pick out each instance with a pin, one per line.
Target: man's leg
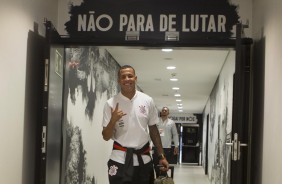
(142, 174)
(169, 154)
(152, 176)
(115, 172)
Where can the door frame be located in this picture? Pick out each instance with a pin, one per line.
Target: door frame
(242, 112)
(241, 88)
(207, 144)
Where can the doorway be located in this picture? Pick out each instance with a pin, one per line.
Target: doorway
(90, 79)
(94, 69)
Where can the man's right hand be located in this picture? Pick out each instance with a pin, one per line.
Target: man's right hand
(116, 114)
(109, 129)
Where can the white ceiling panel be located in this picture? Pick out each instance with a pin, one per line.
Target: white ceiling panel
(196, 70)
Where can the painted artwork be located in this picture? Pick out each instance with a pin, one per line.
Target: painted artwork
(90, 79)
(220, 165)
(220, 128)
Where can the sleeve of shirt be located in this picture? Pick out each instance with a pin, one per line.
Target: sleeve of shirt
(175, 135)
(106, 115)
(153, 114)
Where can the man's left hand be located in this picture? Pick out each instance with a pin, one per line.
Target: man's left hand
(175, 151)
(165, 164)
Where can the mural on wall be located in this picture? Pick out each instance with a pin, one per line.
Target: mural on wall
(220, 168)
(91, 71)
(90, 80)
(213, 132)
(224, 135)
(220, 127)
(205, 124)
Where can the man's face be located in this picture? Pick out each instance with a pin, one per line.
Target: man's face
(127, 80)
(165, 111)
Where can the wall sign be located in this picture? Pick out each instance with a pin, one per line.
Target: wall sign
(159, 20)
(180, 118)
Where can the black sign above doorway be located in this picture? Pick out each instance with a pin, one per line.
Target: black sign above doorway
(154, 21)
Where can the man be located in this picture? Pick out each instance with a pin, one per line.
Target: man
(168, 132)
(127, 117)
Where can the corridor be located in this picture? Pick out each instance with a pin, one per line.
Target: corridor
(189, 174)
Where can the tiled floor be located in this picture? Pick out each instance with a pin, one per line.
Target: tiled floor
(189, 174)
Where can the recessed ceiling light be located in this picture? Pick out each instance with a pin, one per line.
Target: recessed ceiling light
(175, 88)
(174, 79)
(180, 107)
(166, 50)
(177, 95)
(178, 100)
(170, 67)
(167, 58)
(180, 110)
(179, 104)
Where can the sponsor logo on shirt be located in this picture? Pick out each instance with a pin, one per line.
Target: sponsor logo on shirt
(121, 123)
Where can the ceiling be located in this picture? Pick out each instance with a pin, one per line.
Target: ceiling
(196, 71)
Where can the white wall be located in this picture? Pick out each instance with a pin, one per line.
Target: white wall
(16, 19)
(267, 30)
(219, 109)
(245, 12)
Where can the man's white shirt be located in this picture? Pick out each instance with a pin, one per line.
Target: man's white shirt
(132, 129)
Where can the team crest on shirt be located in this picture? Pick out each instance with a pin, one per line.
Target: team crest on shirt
(113, 170)
(142, 109)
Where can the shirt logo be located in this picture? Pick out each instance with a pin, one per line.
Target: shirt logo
(113, 170)
(142, 109)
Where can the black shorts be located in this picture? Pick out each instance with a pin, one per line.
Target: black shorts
(141, 174)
